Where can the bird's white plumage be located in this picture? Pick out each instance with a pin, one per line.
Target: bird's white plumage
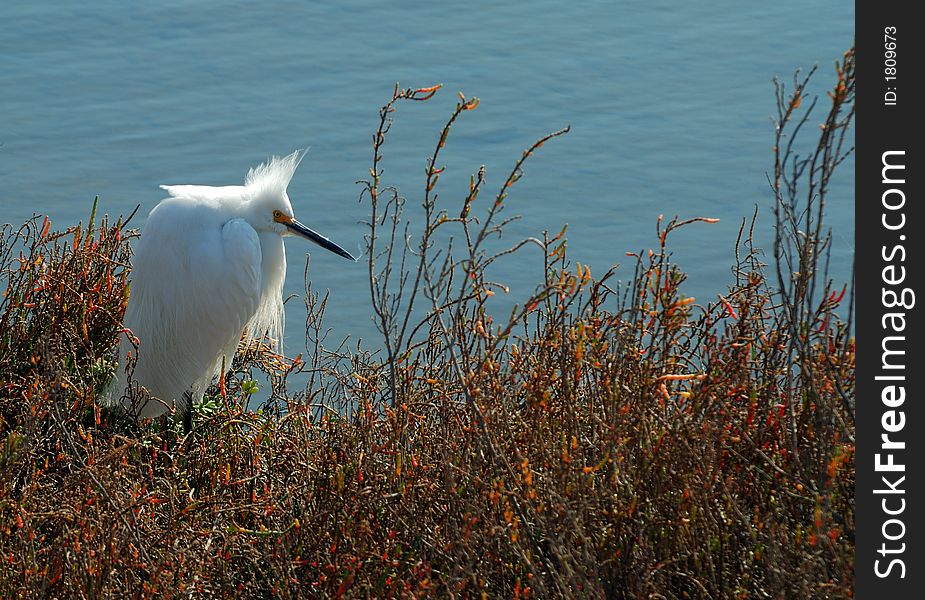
(210, 265)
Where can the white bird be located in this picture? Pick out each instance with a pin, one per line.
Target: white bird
(209, 267)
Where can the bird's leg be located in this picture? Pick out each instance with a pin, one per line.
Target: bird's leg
(187, 412)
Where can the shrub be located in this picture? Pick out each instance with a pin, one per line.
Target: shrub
(606, 439)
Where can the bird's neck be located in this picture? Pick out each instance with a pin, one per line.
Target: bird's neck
(270, 318)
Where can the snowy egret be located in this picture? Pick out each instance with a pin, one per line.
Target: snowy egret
(208, 268)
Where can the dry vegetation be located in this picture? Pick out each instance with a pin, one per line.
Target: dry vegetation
(606, 440)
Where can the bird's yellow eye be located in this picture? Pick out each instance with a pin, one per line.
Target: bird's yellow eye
(279, 216)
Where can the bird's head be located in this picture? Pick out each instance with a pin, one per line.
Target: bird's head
(270, 208)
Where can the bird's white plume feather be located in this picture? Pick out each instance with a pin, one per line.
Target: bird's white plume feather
(275, 174)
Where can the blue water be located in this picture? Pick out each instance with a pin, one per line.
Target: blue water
(669, 104)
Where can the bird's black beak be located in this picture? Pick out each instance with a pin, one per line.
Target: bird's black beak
(313, 236)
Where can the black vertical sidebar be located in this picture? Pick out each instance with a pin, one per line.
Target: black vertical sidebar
(890, 423)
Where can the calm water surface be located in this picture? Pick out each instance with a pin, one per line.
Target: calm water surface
(669, 104)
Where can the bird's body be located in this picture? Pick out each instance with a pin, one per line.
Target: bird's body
(210, 266)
